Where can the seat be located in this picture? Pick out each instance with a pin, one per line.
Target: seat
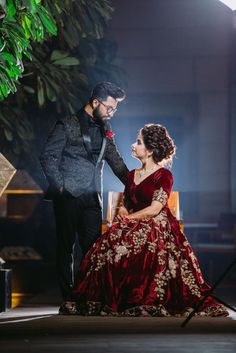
(115, 199)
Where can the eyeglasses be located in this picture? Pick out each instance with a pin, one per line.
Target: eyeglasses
(108, 107)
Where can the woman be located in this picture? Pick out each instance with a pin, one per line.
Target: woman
(143, 265)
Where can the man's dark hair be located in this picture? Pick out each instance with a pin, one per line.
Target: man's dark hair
(104, 89)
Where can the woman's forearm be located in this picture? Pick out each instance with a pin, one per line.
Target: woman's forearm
(150, 211)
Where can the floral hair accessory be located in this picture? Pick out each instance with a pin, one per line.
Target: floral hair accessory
(110, 134)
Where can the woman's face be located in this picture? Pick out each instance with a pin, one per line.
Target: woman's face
(138, 148)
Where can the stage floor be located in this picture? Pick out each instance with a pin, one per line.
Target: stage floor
(38, 328)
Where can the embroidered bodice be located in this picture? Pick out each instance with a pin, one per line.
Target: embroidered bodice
(157, 186)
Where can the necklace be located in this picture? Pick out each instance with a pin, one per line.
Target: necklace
(142, 172)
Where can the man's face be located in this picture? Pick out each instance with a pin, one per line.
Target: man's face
(104, 109)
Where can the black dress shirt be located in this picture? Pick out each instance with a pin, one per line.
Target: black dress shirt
(95, 132)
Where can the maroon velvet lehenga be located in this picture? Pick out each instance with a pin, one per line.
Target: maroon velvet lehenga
(143, 267)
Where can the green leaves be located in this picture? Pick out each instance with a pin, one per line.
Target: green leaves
(41, 97)
(47, 20)
(55, 77)
(68, 61)
(9, 72)
(20, 22)
(80, 19)
(11, 9)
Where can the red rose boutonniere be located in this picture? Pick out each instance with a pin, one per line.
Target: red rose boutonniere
(110, 134)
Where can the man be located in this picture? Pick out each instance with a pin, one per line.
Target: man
(73, 160)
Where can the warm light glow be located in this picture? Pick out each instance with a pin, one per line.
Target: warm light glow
(19, 191)
(230, 3)
(17, 298)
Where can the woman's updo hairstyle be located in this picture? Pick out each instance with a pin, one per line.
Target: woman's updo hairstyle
(157, 139)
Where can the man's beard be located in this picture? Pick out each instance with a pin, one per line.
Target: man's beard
(98, 118)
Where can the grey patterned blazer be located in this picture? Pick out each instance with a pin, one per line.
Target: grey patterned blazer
(67, 159)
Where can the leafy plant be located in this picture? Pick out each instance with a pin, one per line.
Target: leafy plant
(20, 22)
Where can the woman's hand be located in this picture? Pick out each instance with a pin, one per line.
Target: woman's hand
(122, 213)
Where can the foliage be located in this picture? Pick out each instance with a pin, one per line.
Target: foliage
(20, 22)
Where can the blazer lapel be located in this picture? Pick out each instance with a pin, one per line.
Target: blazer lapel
(84, 124)
(104, 141)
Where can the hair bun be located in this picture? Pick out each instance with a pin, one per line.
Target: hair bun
(157, 139)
